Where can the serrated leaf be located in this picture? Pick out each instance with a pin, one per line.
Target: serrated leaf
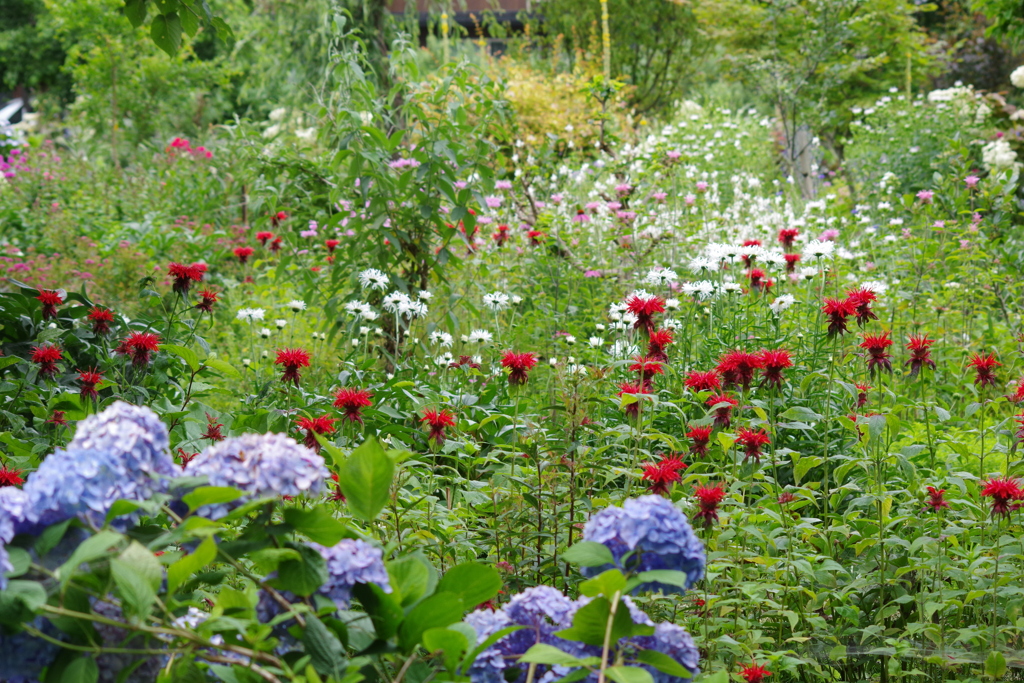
(166, 32)
(222, 367)
(365, 479)
(135, 12)
(325, 650)
(182, 352)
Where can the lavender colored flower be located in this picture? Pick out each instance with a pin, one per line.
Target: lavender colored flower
(134, 434)
(261, 465)
(350, 562)
(654, 534)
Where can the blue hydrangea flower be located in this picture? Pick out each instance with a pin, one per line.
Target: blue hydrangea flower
(22, 656)
(349, 562)
(261, 465)
(134, 434)
(655, 535)
(7, 521)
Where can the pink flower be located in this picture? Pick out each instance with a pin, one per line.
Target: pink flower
(971, 181)
(925, 196)
(829, 235)
(702, 186)
(690, 199)
(673, 155)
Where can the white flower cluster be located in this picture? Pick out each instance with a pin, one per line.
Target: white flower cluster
(361, 309)
(250, 314)
(401, 303)
(371, 278)
(999, 156)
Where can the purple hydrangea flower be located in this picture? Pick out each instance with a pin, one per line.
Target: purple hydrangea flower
(134, 434)
(261, 465)
(655, 535)
(349, 562)
(22, 656)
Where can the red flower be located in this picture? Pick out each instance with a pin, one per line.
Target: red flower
(336, 494)
(644, 308)
(352, 401)
(786, 497)
(276, 219)
(264, 236)
(708, 498)
(861, 300)
(661, 475)
(723, 415)
(787, 236)
(757, 281)
(935, 499)
(755, 673)
(47, 356)
(316, 425)
(185, 458)
(10, 477)
(437, 420)
(657, 343)
(536, 237)
(632, 409)
(703, 381)
(89, 379)
(518, 364)
(139, 345)
(750, 257)
(701, 437)
(647, 368)
(737, 368)
(212, 429)
(773, 363)
(57, 419)
(184, 276)
(1020, 429)
(752, 441)
(331, 245)
(920, 354)
(243, 253)
(276, 244)
(1002, 491)
(791, 261)
(100, 319)
(292, 360)
(501, 236)
(838, 310)
(983, 367)
(464, 361)
(862, 395)
(50, 300)
(209, 299)
(878, 357)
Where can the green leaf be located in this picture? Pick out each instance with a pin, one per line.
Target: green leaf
(801, 414)
(326, 651)
(166, 33)
(8, 361)
(670, 577)
(20, 560)
(135, 11)
(663, 663)
(721, 676)
(410, 579)
(268, 559)
(439, 610)
(304, 576)
(186, 354)
(607, 583)
(541, 653)
(137, 574)
(452, 643)
(474, 583)
(995, 664)
(210, 495)
(91, 549)
(185, 567)
(318, 524)
(82, 670)
(365, 479)
(590, 623)
(189, 22)
(20, 601)
(629, 674)
(384, 611)
(589, 554)
(222, 367)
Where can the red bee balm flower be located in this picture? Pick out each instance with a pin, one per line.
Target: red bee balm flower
(264, 236)
(331, 245)
(10, 477)
(647, 369)
(700, 437)
(501, 236)
(292, 360)
(437, 420)
(185, 458)
(47, 357)
(661, 475)
(644, 307)
(50, 300)
(773, 363)
(100, 319)
(209, 299)
(212, 429)
(352, 401)
(755, 673)
(862, 395)
(656, 345)
(935, 499)
(708, 498)
(787, 236)
(791, 261)
(632, 409)
(518, 364)
(243, 254)
(861, 300)
(703, 381)
(1002, 491)
(184, 276)
(751, 442)
(57, 419)
(920, 353)
(737, 368)
(139, 345)
(878, 357)
(316, 425)
(983, 368)
(89, 379)
(838, 310)
(723, 414)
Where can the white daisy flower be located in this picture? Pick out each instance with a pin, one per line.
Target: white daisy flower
(250, 314)
(496, 301)
(297, 305)
(480, 337)
(371, 278)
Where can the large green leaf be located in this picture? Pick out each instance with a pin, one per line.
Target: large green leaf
(589, 554)
(137, 574)
(166, 33)
(438, 611)
(325, 650)
(365, 479)
(473, 582)
(318, 524)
